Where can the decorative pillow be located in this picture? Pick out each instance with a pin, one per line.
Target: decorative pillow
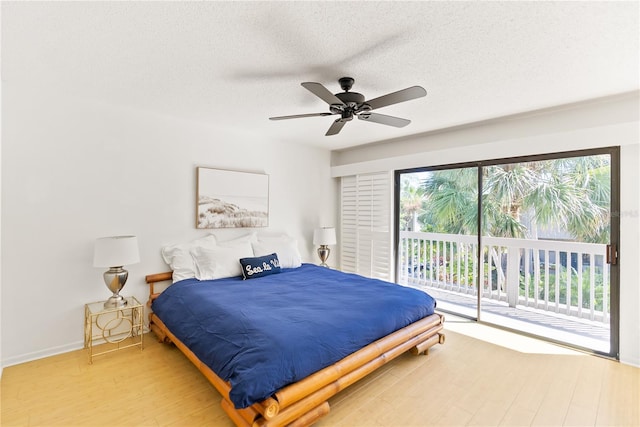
(285, 247)
(260, 266)
(220, 261)
(179, 258)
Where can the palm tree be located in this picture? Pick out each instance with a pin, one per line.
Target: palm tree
(567, 196)
(412, 203)
(571, 194)
(452, 200)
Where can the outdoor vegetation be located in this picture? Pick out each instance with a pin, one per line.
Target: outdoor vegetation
(563, 199)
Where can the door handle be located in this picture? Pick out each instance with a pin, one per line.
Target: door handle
(612, 254)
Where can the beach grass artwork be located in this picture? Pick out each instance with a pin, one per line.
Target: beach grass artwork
(231, 199)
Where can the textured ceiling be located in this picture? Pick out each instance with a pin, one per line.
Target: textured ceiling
(234, 64)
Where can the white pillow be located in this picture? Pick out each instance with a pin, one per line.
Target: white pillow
(272, 235)
(285, 247)
(221, 261)
(179, 258)
(242, 240)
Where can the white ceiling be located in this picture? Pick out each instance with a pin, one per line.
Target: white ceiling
(234, 64)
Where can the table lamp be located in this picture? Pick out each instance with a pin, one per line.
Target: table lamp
(324, 237)
(115, 252)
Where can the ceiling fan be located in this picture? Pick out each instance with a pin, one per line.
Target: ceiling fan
(348, 104)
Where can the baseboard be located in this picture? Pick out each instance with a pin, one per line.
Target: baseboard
(28, 357)
(630, 362)
(53, 351)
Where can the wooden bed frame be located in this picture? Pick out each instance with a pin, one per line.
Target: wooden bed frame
(306, 401)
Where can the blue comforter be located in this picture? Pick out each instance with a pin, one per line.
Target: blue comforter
(264, 333)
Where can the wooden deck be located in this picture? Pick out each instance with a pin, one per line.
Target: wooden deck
(556, 327)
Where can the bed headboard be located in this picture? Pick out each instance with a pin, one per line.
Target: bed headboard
(152, 279)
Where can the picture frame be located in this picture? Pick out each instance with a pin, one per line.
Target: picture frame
(231, 199)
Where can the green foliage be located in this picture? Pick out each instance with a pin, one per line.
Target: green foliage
(569, 194)
(562, 272)
(451, 201)
(412, 203)
(565, 198)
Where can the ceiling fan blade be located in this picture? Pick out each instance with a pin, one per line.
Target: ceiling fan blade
(384, 119)
(299, 116)
(322, 92)
(407, 94)
(336, 127)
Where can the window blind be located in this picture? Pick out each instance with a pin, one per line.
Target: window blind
(366, 240)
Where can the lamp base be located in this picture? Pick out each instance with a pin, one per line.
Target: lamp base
(115, 278)
(323, 254)
(115, 301)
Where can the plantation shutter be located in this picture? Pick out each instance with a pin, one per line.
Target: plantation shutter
(348, 224)
(366, 225)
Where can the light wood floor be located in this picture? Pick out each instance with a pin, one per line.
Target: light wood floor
(466, 381)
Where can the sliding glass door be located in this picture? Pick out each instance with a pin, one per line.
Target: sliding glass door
(545, 260)
(438, 235)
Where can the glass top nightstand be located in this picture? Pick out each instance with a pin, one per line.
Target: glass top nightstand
(115, 328)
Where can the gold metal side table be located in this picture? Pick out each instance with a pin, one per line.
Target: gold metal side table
(118, 328)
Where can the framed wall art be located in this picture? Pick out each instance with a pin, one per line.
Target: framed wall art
(231, 199)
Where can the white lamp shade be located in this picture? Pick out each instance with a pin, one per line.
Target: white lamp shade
(116, 251)
(324, 236)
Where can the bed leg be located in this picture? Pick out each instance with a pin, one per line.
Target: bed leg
(160, 335)
(312, 416)
(423, 347)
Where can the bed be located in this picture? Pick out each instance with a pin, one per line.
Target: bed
(277, 347)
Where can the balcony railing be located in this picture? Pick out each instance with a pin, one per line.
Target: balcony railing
(568, 278)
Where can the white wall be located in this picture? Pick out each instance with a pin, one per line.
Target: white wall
(73, 171)
(613, 121)
(630, 253)
(0, 209)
